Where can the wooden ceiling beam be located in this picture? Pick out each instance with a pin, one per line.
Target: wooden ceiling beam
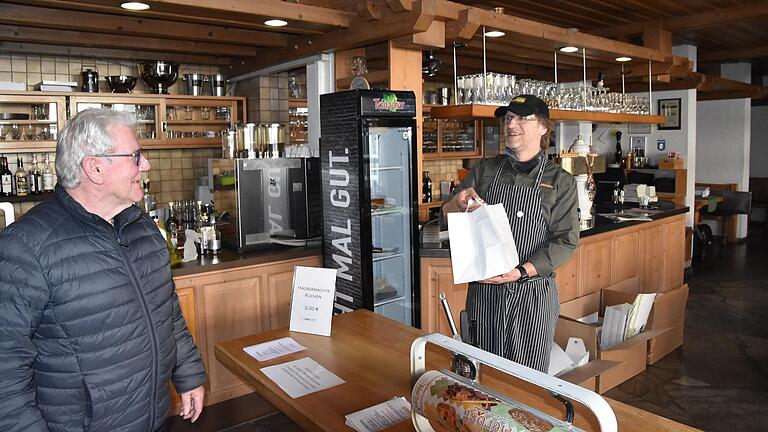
(105, 53)
(368, 10)
(271, 8)
(128, 25)
(731, 94)
(392, 25)
(558, 36)
(737, 54)
(84, 39)
(171, 13)
(716, 18)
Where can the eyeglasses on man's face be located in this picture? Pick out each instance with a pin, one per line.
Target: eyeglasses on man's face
(520, 119)
(135, 155)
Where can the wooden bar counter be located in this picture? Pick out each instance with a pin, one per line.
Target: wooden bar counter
(371, 353)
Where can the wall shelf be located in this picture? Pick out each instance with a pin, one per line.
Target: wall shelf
(487, 111)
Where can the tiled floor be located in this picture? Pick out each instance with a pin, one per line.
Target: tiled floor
(717, 381)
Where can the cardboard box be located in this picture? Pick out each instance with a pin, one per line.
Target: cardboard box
(671, 164)
(668, 313)
(631, 354)
(585, 376)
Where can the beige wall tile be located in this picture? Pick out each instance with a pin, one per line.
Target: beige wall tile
(5, 64)
(6, 76)
(18, 63)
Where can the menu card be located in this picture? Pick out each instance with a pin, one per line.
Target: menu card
(301, 377)
(381, 416)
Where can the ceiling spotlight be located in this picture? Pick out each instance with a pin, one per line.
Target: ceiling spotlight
(276, 23)
(135, 6)
(623, 59)
(569, 49)
(495, 33)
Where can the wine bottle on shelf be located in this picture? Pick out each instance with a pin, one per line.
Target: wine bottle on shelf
(618, 157)
(6, 178)
(427, 188)
(22, 180)
(35, 177)
(48, 175)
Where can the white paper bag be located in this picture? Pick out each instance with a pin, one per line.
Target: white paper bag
(481, 244)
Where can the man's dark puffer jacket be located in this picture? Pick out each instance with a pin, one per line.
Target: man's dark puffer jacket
(90, 325)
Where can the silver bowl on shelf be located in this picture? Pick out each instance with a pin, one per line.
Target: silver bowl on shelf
(159, 75)
(121, 83)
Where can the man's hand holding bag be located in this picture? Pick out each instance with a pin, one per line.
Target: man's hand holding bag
(481, 244)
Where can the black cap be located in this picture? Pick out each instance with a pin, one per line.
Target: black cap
(524, 105)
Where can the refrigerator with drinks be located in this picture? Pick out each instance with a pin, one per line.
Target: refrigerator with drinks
(370, 200)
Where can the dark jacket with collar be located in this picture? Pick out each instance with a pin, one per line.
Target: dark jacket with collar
(90, 326)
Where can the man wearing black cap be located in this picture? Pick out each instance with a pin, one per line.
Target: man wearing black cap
(514, 314)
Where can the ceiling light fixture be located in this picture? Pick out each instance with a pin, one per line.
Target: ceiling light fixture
(623, 59)
(276, 23)
(569, 49)
(135, 6)
(495, 33)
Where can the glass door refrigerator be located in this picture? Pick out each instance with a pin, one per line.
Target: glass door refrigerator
(370, 201)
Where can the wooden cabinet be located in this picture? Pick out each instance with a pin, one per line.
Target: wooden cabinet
(650, 257)
(234, 303)
(30, 123)
(594, 264)
(624, 262)
(452, 139)
(673, 258)
(165, 121)
(437, 277)
(646, 258)
(566, 278)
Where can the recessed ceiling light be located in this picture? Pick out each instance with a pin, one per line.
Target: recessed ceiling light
(135, 6)
(569, 49)
(495, 33)
(276, 23)
(623, 59)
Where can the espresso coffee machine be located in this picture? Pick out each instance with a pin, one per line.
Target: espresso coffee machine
(268, 200)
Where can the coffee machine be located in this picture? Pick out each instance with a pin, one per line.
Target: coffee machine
(268, 200)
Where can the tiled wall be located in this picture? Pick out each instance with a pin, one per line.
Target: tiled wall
(174, 173)
(441, 170)
(267, 98)
(31, 69)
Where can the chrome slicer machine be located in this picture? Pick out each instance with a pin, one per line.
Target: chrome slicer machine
(456, 401)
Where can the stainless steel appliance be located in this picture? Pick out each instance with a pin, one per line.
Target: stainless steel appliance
(268, 200)
(370, 200)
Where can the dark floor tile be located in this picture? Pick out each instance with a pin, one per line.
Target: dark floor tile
(718, 379)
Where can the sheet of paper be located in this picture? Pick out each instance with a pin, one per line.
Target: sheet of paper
(592, 318)
(273, 349)
(312, 300)
(381, 416)
(614, 325)
(638, 316)
(301, 377)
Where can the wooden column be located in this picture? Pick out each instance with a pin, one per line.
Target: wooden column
(405, 74)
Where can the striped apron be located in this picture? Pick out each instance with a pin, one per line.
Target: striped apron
(517, 320)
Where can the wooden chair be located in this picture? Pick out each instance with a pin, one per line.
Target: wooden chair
(734, 203)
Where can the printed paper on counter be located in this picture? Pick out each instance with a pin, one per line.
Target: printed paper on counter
(381, 416)
(273, 349)
(312, 302)
(301, 377)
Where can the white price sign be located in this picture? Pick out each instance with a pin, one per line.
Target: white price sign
(312, 301)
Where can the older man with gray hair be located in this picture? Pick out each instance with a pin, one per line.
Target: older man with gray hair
(90, 326)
